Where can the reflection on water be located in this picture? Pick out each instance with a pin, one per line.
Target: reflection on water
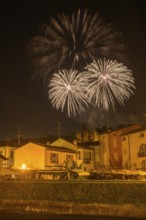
(4, 216)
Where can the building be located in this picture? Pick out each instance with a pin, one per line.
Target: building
(134, 149)
(84, 154)
(115, 145)
(105, 150)
(53, 160)
(2, 160)
(7, 150)
(102, 152)
(42, 157)
(85, 157)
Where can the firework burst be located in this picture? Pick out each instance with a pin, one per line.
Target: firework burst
(107, 81)
(73, 42)
(67, 91)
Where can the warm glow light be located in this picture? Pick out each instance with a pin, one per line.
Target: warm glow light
(23, 167)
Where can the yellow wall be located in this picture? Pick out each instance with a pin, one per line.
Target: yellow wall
(6, 151)
(131, 146)
(81, 160)
(61, 158)
(102, 151)
(31, 154)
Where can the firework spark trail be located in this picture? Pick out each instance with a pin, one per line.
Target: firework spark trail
(107, 81)
(67, 90)
(73, 42)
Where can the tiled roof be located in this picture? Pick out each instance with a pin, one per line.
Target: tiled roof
(88, 145)
(62, 148)
(135, 131)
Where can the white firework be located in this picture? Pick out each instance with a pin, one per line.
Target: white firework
(107, 81)
(67, 90)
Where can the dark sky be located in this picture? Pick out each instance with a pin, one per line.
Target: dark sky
(24, 103)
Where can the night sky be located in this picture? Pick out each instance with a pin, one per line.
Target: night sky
(24, 103)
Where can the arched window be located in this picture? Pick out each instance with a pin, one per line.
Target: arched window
(143, 165)
(142, 150)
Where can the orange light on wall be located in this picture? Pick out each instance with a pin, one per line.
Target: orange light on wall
(23, 166)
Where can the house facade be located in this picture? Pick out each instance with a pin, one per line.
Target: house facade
(2, 161)
(115, 145)
(134, 149)
(30, 156)
(58, 154)
(7, 150)
(121, 148)
(42, 157)
(84, 157)
(102, 152)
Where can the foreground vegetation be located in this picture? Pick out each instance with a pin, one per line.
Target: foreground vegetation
(101, 192)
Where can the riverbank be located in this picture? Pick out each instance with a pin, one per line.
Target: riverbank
(66, 208)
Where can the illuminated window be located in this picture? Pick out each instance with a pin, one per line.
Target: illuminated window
(142, 150)
(54, 158)
(143, 164)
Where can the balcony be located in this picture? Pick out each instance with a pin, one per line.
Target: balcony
(141, 154)
(87, 161)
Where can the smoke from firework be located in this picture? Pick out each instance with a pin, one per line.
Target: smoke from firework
(73, 42)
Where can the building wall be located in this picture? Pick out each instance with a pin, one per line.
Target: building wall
(31, 154)
(63, 159)
(85, 159)
(115, 146)
(8, 152)
(132, 159)
(102, 152)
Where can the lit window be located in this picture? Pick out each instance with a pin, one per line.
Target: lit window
(142, 150)
(143, 164)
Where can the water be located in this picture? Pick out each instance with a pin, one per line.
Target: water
(11, 216)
